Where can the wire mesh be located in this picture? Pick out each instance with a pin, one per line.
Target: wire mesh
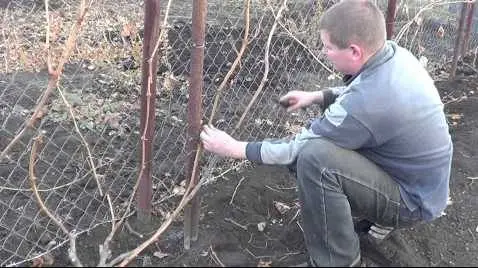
(101, 82)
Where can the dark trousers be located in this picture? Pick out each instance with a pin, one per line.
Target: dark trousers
(334, 184)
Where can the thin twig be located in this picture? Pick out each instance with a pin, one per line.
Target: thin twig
(236, 61)
(273, 189)
(49, 189)
(90, 156)
(162, 33)
(72, 238)
(308, 49)
(244, 227)
(295, 216)
(235, 190)
(266, 65)
(256, 257)
(132, 231)
(47, 39)
(456, 100)
(216, 258)
(289, 254)
(298, 224)
(111, 211)
(226, 171)
(472, 235)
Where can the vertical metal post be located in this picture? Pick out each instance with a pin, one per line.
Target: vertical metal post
(191, 212)
(459, 39)
(148, 96)
(390, 20)
(469, 25)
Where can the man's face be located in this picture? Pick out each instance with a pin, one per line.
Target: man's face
(342, 59)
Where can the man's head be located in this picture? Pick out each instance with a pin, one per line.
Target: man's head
(352, 31)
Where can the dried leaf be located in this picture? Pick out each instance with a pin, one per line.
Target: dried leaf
(38, 262)
(261, 226)
(455, 116)
(113, 120)
(441, 32)
(128, 30)
(42, 261)
(160, 255)
(179, 190)
(281, 207)
(449, 201)
(264, 264)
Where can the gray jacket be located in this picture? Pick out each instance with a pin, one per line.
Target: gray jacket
(391, 113)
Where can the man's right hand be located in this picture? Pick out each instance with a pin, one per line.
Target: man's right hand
(297, 99)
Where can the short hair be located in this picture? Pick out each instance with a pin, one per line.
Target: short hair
(355, 21)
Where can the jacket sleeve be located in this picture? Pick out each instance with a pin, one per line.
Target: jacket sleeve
(278, 152)
(342, 128)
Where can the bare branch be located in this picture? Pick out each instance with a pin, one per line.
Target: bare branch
(243, 227)
(307, 48)
(236, 61)
(53, 79)
(215, 257)
(72, 250)
(235, 190)
(90, 157)
(266, 65)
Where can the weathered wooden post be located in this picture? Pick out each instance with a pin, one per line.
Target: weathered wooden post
(390, 20)
(469, 26)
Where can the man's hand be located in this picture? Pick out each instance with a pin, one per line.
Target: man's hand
(219, 142)
(300, 99)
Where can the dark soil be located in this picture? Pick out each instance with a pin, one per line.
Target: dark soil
(448, 241)
(233, 207)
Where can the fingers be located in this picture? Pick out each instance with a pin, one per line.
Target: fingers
(208, 134)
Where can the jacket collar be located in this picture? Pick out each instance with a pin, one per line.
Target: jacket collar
(380, 57)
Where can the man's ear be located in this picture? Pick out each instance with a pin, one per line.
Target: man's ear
(357, 51)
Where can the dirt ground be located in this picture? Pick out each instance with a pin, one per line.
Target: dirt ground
(236, 207)
(448, 241)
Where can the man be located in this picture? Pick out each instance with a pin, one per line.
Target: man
(381, 150)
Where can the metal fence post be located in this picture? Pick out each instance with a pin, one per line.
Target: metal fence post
(148, 96)
(191, 212)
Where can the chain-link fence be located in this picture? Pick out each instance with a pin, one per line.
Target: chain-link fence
(90, 124)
